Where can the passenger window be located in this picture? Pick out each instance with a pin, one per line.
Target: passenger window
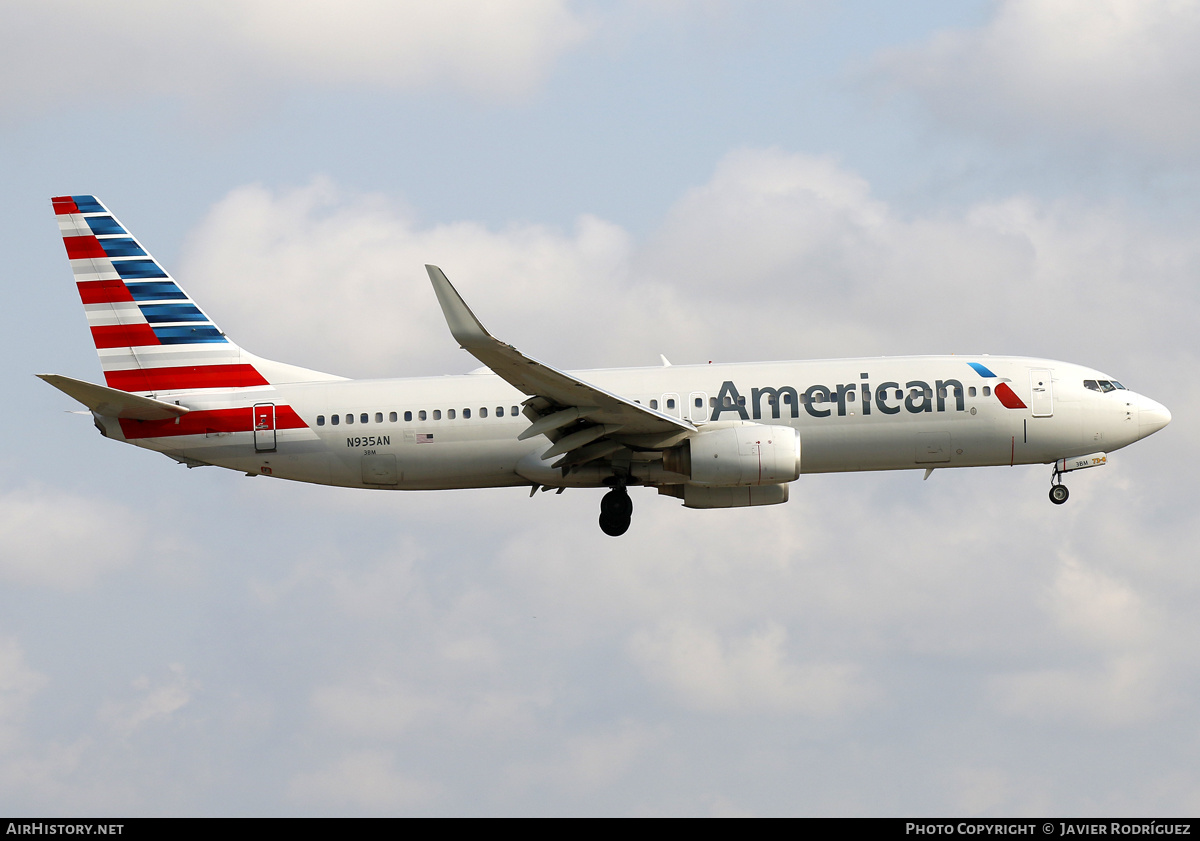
(943, 393)
(741, 401)
(499, 411)
(971, 391)
(467, 414)
(379, 417)
(987, 391)
(900, 394)
(363, 417)
(670, 402)
(335, 419)
(421, 414)
(849, 396)
(449, 414)
(654, 404)
(408, 417)
(392, 417)
(349, 418)
(483, 411)
(712, 402)
(514, 411)
(320, 420)
(699, 402)
(437, 414)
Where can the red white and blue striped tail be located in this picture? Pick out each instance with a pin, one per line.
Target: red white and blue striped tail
(150, 335)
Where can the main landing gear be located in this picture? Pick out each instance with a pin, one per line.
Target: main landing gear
(1058, 491)
(616, 510)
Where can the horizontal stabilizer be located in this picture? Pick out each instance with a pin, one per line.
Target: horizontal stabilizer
(113, 402)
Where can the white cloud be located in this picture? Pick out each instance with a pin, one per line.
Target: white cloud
(18, 684)
(365, 779)
(56, 539)
(1126, 71)
(745, 674)
(156, 701)
(217, 50)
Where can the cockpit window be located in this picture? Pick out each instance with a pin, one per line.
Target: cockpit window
(1102, 385)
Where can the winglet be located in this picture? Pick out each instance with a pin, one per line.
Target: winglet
(464, 326)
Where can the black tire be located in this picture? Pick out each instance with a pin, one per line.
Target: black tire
(617, 502)
(614, 525)
(1059, 494)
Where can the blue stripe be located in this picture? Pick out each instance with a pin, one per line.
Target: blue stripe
(137, 269)
(88, 204)
(167, 291)
(184, 335)
(171, 312)
(123, 247)
(102, 225)
(981, 370)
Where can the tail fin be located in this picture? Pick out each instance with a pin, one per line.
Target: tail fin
(151, 337)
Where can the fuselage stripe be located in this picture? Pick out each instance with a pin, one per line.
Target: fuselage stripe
(208, 422)
(184, 377)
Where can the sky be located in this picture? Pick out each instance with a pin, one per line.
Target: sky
(604, 183)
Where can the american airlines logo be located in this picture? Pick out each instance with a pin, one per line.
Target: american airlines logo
(889, 398)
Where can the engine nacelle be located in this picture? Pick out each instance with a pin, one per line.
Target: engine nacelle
(737, 455)
(697, 496)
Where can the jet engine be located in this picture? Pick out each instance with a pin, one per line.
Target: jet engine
(737, 455)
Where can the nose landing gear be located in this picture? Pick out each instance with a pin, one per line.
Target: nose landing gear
(1058, 491)
(616, 511)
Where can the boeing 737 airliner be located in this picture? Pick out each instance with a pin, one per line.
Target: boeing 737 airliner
(715, 436)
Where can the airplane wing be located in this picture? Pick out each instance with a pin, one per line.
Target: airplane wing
(113, 402)
(593, 413)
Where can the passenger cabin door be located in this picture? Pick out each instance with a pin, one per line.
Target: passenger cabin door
(264, 427)
(1041, 401)
(698, 406)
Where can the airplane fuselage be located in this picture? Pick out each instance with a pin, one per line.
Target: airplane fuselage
(888, 413)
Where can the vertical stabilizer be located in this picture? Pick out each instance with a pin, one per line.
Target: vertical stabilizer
(150, 335)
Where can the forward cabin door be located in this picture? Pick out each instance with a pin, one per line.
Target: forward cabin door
(1041, 396)
(264, 427)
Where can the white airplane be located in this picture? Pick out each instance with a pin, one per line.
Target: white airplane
(715, 436)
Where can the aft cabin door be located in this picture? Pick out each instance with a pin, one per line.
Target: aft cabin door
(1041, 397)
(264, 427)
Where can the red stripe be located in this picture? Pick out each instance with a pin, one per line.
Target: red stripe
(79, 248)
(185, 376)
(124, 335)
(203, 423)
(1008, 397)
(103, 291)
(64, 204)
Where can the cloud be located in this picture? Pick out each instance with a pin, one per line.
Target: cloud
(52, 538)
(365, 779)
(1124, 72)
(745, 674)
(156, 702)
(779, 255)
(122, 51)
(348, 271)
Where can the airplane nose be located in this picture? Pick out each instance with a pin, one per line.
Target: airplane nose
(1152, 417)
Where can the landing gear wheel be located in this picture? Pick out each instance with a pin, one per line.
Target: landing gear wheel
(1059, 494)
(616, 511)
